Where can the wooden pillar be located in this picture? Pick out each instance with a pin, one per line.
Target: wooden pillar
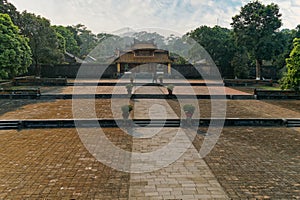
(169, 68)
(119, 67)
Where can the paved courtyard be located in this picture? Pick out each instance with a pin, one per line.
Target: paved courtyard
(246, 163)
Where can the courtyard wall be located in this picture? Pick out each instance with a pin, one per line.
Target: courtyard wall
(186, 70)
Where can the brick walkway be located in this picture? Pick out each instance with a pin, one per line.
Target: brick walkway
(147, 90)
(197, 90)
(62, 109)
(257, 163)
(187, 177)
(246, 163)
(53, 164)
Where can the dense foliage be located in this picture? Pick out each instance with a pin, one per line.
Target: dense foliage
(255, 37)
(44, 42)
(291, 79)
(10, 9)
(70, 42)
(219, 43)
(256, 28)
(15, 54)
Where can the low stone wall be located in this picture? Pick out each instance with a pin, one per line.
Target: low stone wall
(188, 71)
(6, 84)
(276, 94)
(31, 80)
(86, 71)
(71, 123)
(93, 70)
(247, 82)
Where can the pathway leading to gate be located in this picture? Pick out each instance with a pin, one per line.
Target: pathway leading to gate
(188, 177)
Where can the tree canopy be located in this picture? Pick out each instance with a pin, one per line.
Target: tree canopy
(15, 54)
(256, 28)
(88, 39)
(291, 79)
(44, 41)
(217, 41)
(254, 37)
(10, 9)
(71, 44)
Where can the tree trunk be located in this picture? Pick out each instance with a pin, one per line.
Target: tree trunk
(37, 67)
(258, 69)
(37, 70)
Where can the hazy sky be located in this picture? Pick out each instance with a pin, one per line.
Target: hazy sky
(177, 15)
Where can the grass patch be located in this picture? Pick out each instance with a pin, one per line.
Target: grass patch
(268, 88)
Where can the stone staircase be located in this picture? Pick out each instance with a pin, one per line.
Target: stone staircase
(8, 125)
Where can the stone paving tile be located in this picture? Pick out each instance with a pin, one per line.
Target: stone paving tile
(196, 90)
(53, 164)
(106, 108)
(28, 158)
(203, 90)
(136, 80)
(289, 104)
(177, 170)
(153, 109)
(257, 163)
(62, 109)
(187, 178)
(243, 108)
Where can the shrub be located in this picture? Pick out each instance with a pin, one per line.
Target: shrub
(170, 87)
(127, 108)
(129, 86)
(189, 108)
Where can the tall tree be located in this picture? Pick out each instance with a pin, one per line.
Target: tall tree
(61, 43)
(158, 39)
(75, 32)
(71, 45)
(15, 54)
(88, 40)
(241, 63)
(10, 9)
(291, 79)
(218, 42)
(285, 40)
(44, 42)
(256, 29)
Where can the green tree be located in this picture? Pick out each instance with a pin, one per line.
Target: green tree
(88, 40)
(241, 64)
(44, 41)
(158, 39)
(75, 32)
(285, 41)
(15, 54)
(105, 51)
(178, 49)
(10, 9)
(291, 79)
(256, 29)
(61, 43)
(218, 42)
(71, 44)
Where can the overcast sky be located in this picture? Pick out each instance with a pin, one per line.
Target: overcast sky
(178, 15)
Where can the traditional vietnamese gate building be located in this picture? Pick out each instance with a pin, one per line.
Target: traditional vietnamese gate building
(143, 57)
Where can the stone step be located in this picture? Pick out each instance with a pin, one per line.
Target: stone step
(158, 123)
(293, 123)
(8, 123)
(8, 127)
